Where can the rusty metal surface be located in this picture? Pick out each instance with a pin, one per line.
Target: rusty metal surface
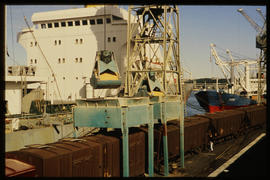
(230, 124)
(255, 114)
(49, 161)
(196, 132)
(110, 154)
(137, 150)
(16, 168)
(86, 161)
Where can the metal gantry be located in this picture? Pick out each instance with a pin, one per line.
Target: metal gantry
(153, 51)
(153, 48)
(153, 86)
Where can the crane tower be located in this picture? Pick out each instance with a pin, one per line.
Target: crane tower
(153, 51)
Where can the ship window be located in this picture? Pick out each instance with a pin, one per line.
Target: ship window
(31, 44)
(55, 42)
(49, 25)
(92, 21)
(56, 24)
(109, 39)
(80, 60)
(63, 24)
(77, 41)
(31, 61)
(77, 78)
(77, 23)
(114, 39)
(76, 60)
(35, 43)
(43, 26)
(64, 78)
(84, 22)
(59, 42)
(64, 60)
(99, 21)
(70, 23)
(81, 40)
(116, 18)
(108, 20)
(35, 61)
(59, 60)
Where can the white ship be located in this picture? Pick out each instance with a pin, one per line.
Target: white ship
(68, 41)
(63, 44)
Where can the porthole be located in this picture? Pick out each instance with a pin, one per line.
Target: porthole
(49, 25)
(92, 22)
(43, 26)
(84, 22)
(108, 20)
(63, 24)
(77, 23)
(99, 21)
(70, 23)
(56, 24)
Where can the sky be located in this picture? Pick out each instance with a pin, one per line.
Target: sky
(199, 26)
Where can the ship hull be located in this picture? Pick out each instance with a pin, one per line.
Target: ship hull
(213, 101)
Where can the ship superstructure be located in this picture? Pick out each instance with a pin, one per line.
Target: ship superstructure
(67, 41)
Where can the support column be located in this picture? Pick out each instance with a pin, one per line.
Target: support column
(151, 141)
(74, 129)
(124, 129)
(165, 143)
(181, 118)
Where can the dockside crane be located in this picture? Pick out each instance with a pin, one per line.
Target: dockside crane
(261, 43)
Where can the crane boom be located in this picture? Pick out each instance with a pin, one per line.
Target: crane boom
(255, 25)
(260, 12)
(219, 62)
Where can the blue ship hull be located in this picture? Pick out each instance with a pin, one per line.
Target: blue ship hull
(213, 101)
